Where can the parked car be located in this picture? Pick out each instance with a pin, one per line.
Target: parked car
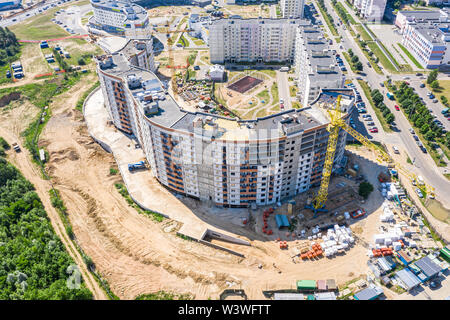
(422, 85)
(373, 130)
(411, 130)
(419, 193)
(362, 110)
(418, 74)
(382, 84)
(435, 101)
(369, 118)
(416, 137)
(371, 123)
(397, 108)
(366, 116)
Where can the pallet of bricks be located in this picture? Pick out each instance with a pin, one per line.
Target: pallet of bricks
(315, 252)
(266, 215)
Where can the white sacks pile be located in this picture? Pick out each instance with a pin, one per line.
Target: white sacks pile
(387, 215)
(337, 238)
(388, 238)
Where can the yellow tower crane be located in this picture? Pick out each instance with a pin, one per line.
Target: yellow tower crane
(337, 122)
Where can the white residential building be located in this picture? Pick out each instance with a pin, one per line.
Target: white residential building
(120, 17)
(217, 72)
(315, 65)
(253, 40)
(292, 8)
(371, 9)
(233, 163)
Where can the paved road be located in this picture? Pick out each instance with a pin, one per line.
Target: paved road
(436, 107)
(31, 13)
(72, 17)
(424, 164)
(283, 89)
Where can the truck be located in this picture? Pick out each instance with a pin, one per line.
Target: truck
(390, 96)
(284, 69)
(136, 166)
(16, 147)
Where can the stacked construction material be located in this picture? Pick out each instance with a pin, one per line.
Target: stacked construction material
(265, 217)
(315, 252)
(386, 239)
(387, 215)
(337, 239)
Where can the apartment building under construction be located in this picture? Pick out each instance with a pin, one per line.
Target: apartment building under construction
(230, 162)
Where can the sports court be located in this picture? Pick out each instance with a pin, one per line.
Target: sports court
(244, 84)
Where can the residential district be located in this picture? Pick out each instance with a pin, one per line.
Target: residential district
(225, 149)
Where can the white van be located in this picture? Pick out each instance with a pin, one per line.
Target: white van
(395, 150)
(420, 180)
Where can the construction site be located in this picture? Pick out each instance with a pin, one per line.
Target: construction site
(142, 237)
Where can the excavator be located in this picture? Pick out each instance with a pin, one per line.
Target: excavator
(337, 122)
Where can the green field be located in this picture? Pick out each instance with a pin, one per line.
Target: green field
(410, 56)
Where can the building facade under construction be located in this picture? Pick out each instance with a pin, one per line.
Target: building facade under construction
(227, 161)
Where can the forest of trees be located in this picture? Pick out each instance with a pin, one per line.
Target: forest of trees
(34, 261)
(9, 46)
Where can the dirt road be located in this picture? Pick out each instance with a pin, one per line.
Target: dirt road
(12, 123)
(137, 255)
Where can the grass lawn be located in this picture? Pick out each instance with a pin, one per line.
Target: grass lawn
(39, 28)
(378, 113)
(410, 56)
(326, 17)
(372, 63)
(264, 96)
(293, 91)
(296, 105)
(274, 92)
(364, 35)
(443, 90)
(380, 55)
(347, 57)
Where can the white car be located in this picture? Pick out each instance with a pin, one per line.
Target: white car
(419, 193)
(281, 100)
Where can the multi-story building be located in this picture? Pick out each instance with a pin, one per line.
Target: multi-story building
(292, 8)
(428, 43)
(230, 162)
(137, 53)
(9, 4)
(403, 18)
(371, 9)
(199, 26)
(315, 65)
(120, 17)
(253, 40)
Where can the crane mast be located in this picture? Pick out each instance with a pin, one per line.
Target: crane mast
(336, 123)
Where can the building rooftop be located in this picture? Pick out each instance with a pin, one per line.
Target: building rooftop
(428, 267)
(132, 12)
(162, 109)
(322, 64)
(408, 278)
(239, 20)
(434, 32)
(426, 15)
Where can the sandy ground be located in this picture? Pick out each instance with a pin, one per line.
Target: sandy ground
(137, 255)
(12, 123)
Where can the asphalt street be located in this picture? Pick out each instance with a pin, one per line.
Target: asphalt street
(424, 164)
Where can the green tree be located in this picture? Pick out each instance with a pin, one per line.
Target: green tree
(432, 76)
(365, 188)
(434, 85)
(358, 66)
(390, 118)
